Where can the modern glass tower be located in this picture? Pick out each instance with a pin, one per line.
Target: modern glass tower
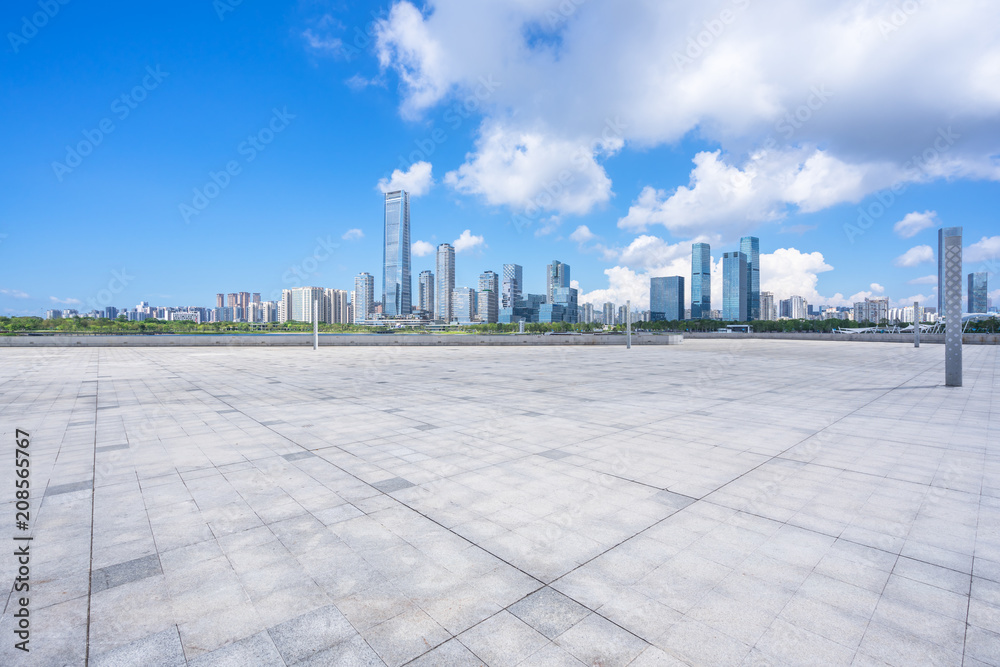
(489, 282)
(977, 292)
(426, 292)
(445, 282)
(364, 296)
(557, 275)
(666, 298)
(396, 283)
(750, 246)
(701, 281)
(511, 285)
(734, 287)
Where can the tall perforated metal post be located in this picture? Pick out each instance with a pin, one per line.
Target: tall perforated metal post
(952, 306)
(916, 324)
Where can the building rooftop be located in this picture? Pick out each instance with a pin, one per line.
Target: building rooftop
(718, 502)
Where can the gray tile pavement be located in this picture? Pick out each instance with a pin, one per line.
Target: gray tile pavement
(719, 502)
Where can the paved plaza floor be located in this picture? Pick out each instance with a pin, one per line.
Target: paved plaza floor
(720, 502)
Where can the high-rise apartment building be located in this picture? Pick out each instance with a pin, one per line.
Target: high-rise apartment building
(308, 302)
(285, 306)
(750, 246)
(255, 298)
(396, 283)
(586, 313)
(767, 309)
(512, 285)
(977, 291)
(220, 300)
(701, 281)
(232, 299)
(557, 275)
(799, 307)
(364, 296)
(445, 278)
(734, 286)
(425, 292)
(608, 313)
(666, 298)
(337, 310)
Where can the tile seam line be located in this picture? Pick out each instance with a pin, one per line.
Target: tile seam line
(93, 498)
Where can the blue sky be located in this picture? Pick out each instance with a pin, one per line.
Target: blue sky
(505, 122)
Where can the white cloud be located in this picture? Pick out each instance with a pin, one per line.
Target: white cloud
(467, 241)
(421, 248)
(532, 171)
(983, 250)
(416, 180)
(789, 272)
(915, 256)
(914, 223)
(323, 43)
(65, 302)
(353, 235)
(16, 293)
(582, 234)
(824, 79)
(924, 280)
(876, 288)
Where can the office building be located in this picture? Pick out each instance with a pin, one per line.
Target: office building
(525, 309)
(734, 287)
(701, 281)
(557, 275)
(487, 306)
(562, 308)
(445, 278)
(666, 298)
(512, 283)
(463, 305)
(364, 296)
(489, 281)
(111, 312)
(425, 293)
(53, 314)
(977, 290)
(750, 246)
(768, 311)
(396, 283)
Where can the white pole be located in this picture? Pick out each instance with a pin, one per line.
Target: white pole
(628, 323)
(315, 324)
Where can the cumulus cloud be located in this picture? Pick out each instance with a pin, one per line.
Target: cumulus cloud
(834, 92)
(914, 223)
(15, 293)
(582, 234)
(421, 248)
(984, 250)
(790, 272)
(467, 241)
(416, 180)
(915, 256)
(353, 235)
(877, 289)
(65, 302)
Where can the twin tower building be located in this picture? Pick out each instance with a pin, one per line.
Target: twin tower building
(740, 286)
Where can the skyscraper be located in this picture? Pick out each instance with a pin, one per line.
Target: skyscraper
(767, 311)
(396, 283)
(463, 302)
(306, 301)
(425, 289)
(608, 313)
(557, 275)
(734, 286)
(666, 298)
(511, 285)
(364, 296)
(445, 281)
(701, 281)
(220, 300)
(337, 311)
(486, 305)
(977, 292)
(750, 246)
(489, 281)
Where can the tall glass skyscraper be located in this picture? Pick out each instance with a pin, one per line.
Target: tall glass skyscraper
(750, 246)
(445, 282)
(734, 286)
(425, 291)
(364, 296)
(489, 282)
(511, 285)
(701, 281)
(557, 276)
(396, 283)
(666, 298)
(977, 292)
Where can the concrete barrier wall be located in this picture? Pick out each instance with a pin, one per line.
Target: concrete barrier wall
(329, 340)
(967, 339)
